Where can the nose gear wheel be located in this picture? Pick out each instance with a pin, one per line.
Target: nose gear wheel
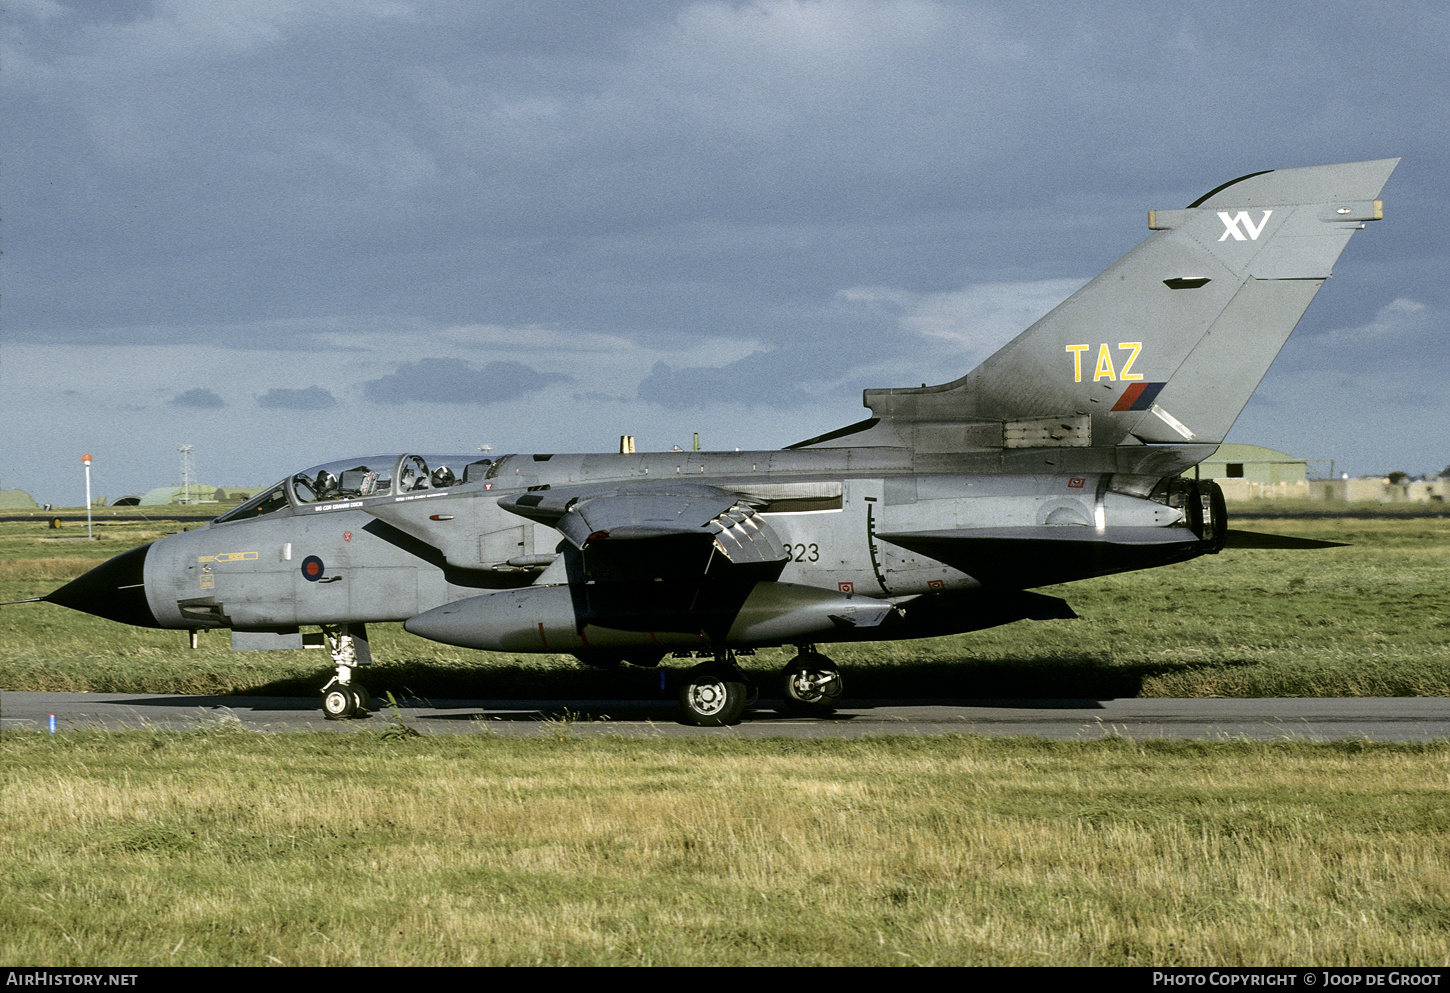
(342, 698)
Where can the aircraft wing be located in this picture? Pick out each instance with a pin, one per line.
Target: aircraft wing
(670, 556)
(688, 512)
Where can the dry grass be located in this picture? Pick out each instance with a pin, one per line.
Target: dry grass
(221, 848)
(57, 569)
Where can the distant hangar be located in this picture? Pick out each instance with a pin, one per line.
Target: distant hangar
(163, 496)
(1248, 472)
(1255, 464)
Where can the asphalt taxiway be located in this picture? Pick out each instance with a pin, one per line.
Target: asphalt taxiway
(1364, 718)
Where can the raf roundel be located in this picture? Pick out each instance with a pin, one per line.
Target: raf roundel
(312, 568)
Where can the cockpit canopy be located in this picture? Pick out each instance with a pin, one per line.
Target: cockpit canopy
(361, 478)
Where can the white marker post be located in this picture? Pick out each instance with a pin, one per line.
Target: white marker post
(86, 461)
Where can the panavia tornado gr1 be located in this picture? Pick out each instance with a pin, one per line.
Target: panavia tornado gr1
(1060, 457)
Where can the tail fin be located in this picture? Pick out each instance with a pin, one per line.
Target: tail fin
(1165, 347)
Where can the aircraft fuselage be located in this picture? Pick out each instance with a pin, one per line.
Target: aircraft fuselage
(849, 529)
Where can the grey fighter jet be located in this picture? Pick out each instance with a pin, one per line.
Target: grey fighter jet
(1059, 457)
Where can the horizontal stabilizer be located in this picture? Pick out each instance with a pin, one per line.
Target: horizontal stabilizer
(1252, 540)
(1022, 557)
(976, 610)
(1066, 534)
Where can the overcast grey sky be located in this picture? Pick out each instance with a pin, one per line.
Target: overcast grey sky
(288, 232)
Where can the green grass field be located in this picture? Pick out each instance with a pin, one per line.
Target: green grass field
(1370, 619)
(221, 846)
(226, 847)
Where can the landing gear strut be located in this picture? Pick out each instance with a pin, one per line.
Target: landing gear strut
(811, 685)
(714, 693)
(341, 697)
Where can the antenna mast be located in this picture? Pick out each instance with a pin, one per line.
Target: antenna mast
(185, 451)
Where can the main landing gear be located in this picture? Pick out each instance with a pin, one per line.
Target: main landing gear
(341, 697)
(715, 694)
(811, 685)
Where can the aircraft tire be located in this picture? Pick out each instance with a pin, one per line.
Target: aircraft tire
(362, 700)
(811, 686)
(339, 703)
(713, 696)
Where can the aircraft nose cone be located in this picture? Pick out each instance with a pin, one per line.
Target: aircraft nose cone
(115, 589)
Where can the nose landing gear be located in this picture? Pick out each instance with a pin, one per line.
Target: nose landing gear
(342, 698)
(341, 701)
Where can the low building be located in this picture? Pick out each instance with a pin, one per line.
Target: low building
(1379, 489)
(164, 495)
(17, 500)
(1249, 472)
(1255, 464)
(199, 492)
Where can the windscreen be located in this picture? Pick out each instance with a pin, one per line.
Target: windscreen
(260, 505)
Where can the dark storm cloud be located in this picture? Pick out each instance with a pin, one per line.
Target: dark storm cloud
(309, 178)
(556, 162)
(198, 399)
(450, 381)
(312, 398)
(800, 372)
(754, 380)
